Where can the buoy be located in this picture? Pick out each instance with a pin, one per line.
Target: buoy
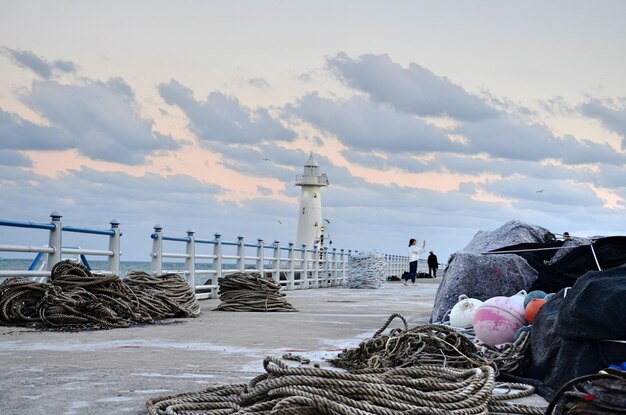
(550, 296)
(462, 314)
(519, 298)
(497, 320)
(534, 294)
(533, 308)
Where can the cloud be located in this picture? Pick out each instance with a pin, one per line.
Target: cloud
(14, 159)
(390, 121)
(555, 192)
(222, 118)
(40, 66)
(366, 126)
(414, 89)
(509, 137)
(260, 83)
(17, 133)
(98, 119)
(612, 118)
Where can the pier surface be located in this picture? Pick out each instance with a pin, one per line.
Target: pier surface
(118, 370)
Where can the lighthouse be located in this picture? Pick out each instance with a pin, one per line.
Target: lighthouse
(310, 224)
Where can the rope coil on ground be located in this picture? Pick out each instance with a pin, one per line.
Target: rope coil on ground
(412, 390)
(251, 292)
(427, 344)
(508, 358)
(76, 297)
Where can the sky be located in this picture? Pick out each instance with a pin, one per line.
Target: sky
(432, 119)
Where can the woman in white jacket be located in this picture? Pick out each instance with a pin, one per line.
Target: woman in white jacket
(414, 256)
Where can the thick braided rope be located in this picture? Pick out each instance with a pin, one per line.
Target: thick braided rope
(427, 390)
(76, 297)
(424, 344)
(509, 357)
(251, 292)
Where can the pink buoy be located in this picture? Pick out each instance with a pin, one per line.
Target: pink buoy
(497, 320)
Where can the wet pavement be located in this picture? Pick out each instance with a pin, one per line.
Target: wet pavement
(116, 371)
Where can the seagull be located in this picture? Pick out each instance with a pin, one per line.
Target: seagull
(539, 191)
(278, 220)
(327, 221)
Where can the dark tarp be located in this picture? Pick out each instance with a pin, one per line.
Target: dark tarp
(553, 276)
(569, 334)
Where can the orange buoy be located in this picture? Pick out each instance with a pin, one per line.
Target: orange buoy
(532, 308)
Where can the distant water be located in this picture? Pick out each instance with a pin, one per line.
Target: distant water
(125, 267)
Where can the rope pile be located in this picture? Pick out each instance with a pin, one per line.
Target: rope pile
(167, 296)
(426, 344)
(366, 270)
(508, 358)
(285, 390)
(76, 297)
(251, 292)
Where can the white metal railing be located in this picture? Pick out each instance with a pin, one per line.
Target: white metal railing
(291, 267)
(55, 249)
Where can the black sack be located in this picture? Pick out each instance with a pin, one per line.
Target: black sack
(570, 334)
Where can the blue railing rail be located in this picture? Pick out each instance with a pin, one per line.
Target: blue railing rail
(55, 250)
(301, 267)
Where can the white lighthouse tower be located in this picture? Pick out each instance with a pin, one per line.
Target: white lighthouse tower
(310, 225)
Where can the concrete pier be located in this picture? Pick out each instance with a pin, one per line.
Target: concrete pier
(116, 371)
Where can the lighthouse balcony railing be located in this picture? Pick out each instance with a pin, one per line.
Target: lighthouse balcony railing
(306, 179)
(48, 256)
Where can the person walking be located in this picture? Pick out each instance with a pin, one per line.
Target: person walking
(433, 265)
(414, 256)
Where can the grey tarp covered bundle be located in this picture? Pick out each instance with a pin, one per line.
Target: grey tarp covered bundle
(484, 276)
(366, 270)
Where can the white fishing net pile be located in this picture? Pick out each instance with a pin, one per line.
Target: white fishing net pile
(366, 270)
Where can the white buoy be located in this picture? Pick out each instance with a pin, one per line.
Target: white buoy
(462, 314)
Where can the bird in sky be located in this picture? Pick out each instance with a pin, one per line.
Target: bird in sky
(279, 221)
(539, 191)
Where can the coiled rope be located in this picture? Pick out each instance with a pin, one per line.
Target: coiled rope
(308, 391)
(508, 358)
(76, 297)
(426, 344)
(251, 292)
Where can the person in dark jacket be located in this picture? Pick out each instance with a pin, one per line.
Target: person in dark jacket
(432, 265)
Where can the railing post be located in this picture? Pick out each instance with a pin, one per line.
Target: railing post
(241, 251)
(157, 250)
(386, 268)
(190, 261)
(304, 274)
(217, 263)
(334, 282)
(292, 271)
(55, 240)
(348, 260)
(276, 273)
(114, 245)
(316, 268)
(260, 255)
(342, 258)
(325, 277)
